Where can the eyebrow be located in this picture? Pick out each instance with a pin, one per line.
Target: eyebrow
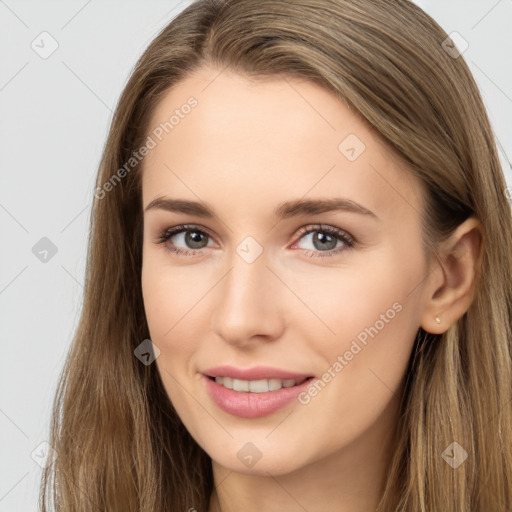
(283, 211)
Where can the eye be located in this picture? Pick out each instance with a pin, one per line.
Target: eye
(329, 240)
(322, 240)
(186, 240)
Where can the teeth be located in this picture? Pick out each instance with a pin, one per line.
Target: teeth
(240, 385)
(257, 386)
(274, 384)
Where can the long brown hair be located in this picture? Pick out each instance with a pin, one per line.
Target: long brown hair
(120, 445)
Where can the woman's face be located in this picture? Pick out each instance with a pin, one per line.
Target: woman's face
(301, 258)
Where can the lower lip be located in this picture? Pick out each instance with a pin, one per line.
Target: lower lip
(252, 405)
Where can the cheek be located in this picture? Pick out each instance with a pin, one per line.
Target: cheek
(162, 308)
(167, 306)
(175, 302)
(169, 294)
(349, 301)
(158, 303)
(374, 315)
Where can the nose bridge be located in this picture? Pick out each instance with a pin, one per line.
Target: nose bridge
(246, 302)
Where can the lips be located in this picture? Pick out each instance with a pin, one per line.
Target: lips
(242, 401)
(255, 373)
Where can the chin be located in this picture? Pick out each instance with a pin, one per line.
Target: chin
(265, 461)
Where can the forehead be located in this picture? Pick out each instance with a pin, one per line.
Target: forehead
(225, 138)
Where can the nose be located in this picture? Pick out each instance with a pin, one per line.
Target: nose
(248, 303)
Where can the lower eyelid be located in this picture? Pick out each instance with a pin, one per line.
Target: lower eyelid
(181, 251)
(326, 254)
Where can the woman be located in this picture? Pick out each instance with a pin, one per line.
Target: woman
(298, 291)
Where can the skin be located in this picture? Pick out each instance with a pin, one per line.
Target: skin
(246, 147)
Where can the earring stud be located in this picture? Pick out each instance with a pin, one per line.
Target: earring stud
(438, 320)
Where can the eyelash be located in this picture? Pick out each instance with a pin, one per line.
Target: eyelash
(341, 235)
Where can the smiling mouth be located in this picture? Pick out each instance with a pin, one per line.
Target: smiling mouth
(257, 386)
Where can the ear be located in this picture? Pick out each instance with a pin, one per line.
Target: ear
(450, 289)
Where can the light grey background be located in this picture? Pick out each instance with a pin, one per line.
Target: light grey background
(54, 117)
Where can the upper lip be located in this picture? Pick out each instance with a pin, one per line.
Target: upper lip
(254, 373)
